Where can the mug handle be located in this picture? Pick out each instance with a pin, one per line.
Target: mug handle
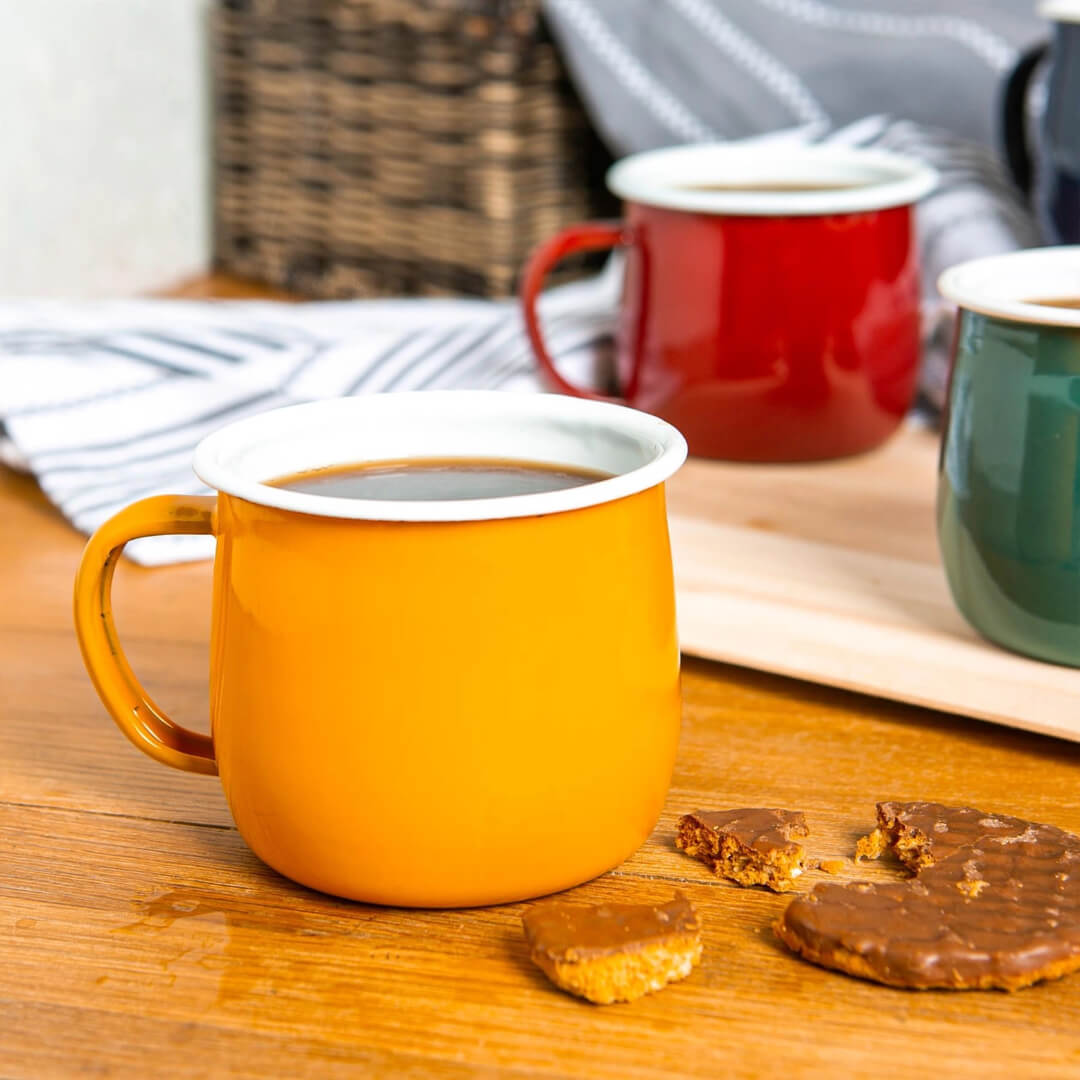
(586, 236)
(1014, 116)
(136, 714)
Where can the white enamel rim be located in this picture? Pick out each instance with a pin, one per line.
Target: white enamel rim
(1002, 286)
(1060, 10)
(660, 178)
(238, 459)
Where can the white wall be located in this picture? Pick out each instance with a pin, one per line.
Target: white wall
(104, 145)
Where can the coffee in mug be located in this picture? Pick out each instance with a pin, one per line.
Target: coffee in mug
(1066, 302)
(773, 186)
(430, 479)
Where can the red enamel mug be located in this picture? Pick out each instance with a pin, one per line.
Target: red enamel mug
(770, 305)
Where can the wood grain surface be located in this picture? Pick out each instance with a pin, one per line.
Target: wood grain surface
(225, 287)
(139, 937)
(831, 572)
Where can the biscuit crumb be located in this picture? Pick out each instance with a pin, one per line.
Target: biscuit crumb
(871, 846)
(911, 845)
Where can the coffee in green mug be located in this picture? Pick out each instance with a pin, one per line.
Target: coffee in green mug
(1009, 477)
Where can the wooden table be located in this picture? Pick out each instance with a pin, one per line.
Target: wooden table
(139, 936)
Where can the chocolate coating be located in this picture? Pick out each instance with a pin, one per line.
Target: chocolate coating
(995, 903)
(764, 830)
(577, 932)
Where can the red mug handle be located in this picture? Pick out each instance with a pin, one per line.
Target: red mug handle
(586, 236)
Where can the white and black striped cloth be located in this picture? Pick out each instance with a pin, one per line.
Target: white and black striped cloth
(106, 401)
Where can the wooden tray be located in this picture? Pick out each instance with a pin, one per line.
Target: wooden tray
(830, 572)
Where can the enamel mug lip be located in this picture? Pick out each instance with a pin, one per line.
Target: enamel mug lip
(640, 450)
(876, 179)
(1003, 286)
(1060, 10)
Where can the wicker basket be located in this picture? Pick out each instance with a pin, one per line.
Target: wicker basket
(378, 147)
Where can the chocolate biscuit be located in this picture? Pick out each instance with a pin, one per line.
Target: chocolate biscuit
(748, 846)
(994, 903)
(613, 952)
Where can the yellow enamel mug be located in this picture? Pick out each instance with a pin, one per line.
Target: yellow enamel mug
(431, 704)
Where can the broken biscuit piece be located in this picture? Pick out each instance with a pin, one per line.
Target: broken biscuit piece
(748, 846)
(901, 833)
(614, 952)
(994, 903)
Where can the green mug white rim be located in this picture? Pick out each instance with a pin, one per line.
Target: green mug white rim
(1005, 286)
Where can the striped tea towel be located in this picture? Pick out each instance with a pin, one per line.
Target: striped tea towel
(653, 72)
(105, 402)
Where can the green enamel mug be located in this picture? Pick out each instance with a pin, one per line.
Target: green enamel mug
(1008, 507)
